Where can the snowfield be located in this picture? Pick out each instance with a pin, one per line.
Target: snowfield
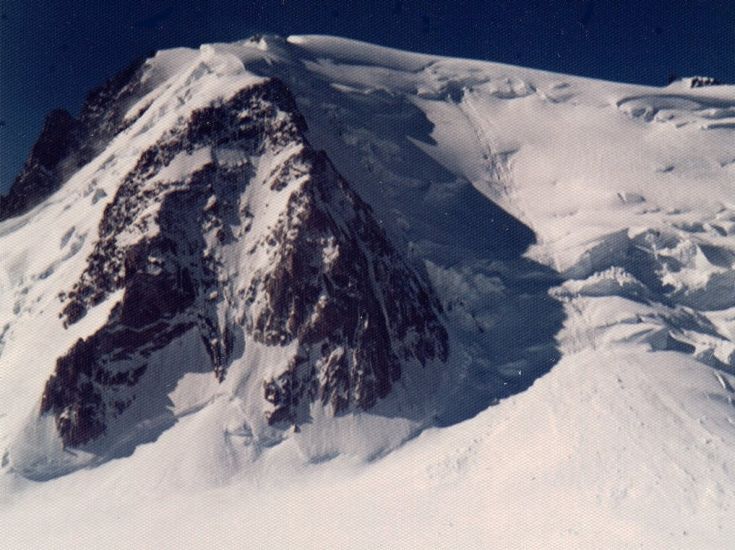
(580, 236)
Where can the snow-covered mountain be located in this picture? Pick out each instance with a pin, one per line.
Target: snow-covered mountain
(331, 294)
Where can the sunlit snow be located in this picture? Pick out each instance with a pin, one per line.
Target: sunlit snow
(607, 255)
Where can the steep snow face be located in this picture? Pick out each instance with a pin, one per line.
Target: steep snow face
(210, 280)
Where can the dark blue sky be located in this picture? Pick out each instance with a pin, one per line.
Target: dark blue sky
(53, 51)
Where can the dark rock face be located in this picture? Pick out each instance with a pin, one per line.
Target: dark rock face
(703, 81)
(216, 125)
(333, 283)
(340, 289)
(42, 173)
(66, 143)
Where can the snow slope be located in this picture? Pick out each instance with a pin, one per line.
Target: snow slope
(601, 270)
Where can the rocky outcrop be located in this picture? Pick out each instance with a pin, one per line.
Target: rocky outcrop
(263, 242)
(340, 289)
(701, 81)
(43, 171)
(67, 143)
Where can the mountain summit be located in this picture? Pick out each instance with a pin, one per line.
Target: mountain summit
(317, 271)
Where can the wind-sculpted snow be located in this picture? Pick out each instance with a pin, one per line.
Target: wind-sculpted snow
(679, 110)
